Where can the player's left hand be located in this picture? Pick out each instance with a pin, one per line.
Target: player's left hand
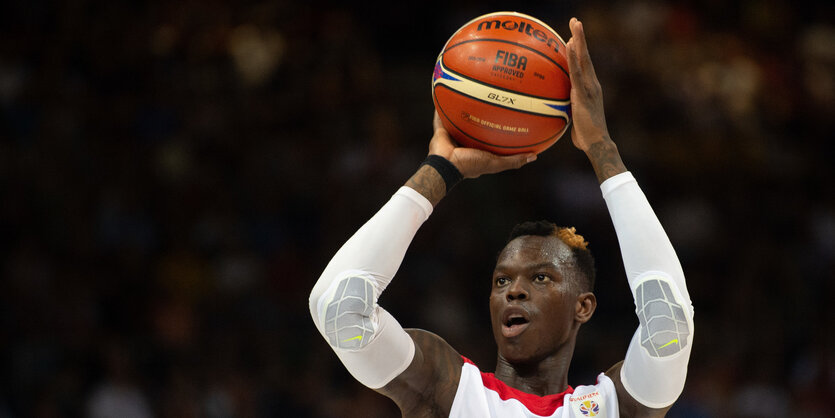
(588, 118)
(472, 162)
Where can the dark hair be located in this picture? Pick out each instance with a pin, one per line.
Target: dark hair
(578, 245)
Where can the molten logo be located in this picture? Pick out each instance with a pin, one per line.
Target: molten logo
(521, 27)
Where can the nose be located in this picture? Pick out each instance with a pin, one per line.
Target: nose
(517, 291)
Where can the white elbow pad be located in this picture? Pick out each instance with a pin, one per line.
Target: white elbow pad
(367, 339)
(655, 366)
(665, 327)
(346, 311)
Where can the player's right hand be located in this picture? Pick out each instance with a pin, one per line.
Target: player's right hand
(472, 162)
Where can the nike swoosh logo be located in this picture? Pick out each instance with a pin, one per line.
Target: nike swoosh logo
(359, 337)
(673, 341)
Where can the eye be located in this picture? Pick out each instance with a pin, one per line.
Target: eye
(541, 278)
(501, 281)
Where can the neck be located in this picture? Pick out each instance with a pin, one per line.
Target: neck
(542, 377)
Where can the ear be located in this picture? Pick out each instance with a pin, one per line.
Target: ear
(586, 304)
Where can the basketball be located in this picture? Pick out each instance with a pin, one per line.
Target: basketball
(501, 84)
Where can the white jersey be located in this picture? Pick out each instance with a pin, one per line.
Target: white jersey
(481, 394)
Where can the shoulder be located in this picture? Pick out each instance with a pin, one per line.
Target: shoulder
(629, 407)
(431, 380)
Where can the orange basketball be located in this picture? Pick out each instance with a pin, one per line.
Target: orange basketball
(501, 84)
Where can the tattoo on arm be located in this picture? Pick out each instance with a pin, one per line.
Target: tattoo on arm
(429, 183)
(427, 387)
(605, 159)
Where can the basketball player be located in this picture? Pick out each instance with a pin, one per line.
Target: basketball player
(540, 296)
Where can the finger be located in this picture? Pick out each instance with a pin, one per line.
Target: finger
(573, 39)
(436, 122)
(574, 69)
(577, 34)
(441, 143)
(581, 48)
(501, 163)
(573, 65)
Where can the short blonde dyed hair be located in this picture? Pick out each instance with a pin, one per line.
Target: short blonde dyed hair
(570, 237)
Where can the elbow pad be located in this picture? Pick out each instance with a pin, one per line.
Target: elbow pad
(655, 367)
(346, 311)
(665, 327)
(367, 339)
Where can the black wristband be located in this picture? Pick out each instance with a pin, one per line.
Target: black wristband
(446, 169)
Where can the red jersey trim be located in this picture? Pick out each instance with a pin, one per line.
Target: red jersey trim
(540, 405)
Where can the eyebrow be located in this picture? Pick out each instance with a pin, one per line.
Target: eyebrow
(545, 265)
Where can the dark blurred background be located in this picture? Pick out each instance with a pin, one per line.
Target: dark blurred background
(175, 175)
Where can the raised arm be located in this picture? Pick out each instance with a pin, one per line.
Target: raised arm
(406, 366)
(652, 375)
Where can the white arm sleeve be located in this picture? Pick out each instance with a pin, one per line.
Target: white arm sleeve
(655, 366)
(368, 340)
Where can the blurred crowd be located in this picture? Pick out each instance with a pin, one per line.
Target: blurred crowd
(175, 175)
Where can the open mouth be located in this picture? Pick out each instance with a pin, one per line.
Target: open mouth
(515, 320)
(514, 325)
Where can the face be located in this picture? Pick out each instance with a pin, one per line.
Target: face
(534, 298)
